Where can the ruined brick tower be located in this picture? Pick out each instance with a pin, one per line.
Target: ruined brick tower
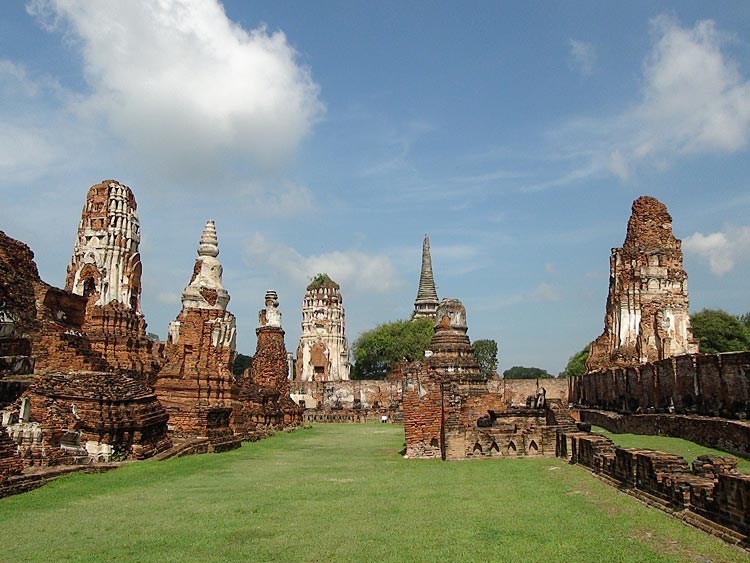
(647, 315)
(106, 270)
(323, 352)
(266, 395)
(196, 384)
(270, 368)
(106, 263)
(427, 302)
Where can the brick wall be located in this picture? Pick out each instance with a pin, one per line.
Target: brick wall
(716, 500)
(709, 385)
(726, 435)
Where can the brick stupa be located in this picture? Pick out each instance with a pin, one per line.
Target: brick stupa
(265, 391)
(196, 384)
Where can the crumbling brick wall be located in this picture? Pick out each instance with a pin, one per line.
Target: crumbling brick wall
(723, 434)
(709, 385)
(75, 408)
(48, 320)
(118, 334)
(713, 489)
(423, 412)
(10, 462)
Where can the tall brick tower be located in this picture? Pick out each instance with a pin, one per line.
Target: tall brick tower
(323, 351)
(106, 269)
(106, 264)
(647, 316)
(196, 384)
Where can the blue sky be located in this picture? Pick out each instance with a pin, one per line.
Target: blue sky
(330, 136)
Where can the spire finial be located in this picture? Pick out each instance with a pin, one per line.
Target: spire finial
(209, 244)
(427, 300)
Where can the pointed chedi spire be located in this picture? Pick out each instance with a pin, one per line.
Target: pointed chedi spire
(205, 290)
(427, 302)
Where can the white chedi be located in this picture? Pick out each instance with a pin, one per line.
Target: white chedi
(205, 290)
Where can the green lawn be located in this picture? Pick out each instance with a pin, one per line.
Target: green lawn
(688, 450)
(342, 493)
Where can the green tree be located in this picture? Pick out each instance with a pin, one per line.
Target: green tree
(485, 351)
(576, 364)
(241, 363)
(376, 351)
(520, 372)
(720, 332)
(152, 336)
(745, 320)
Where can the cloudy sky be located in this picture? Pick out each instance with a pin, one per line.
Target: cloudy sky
(331, 136)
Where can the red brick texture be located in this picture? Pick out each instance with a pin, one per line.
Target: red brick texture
(196, 385)
(712, 496)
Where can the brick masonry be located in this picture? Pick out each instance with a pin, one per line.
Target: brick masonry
(703, 384)
(711, 496)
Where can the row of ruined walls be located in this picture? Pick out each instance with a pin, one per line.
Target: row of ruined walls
(351, 395)
(701, 384)
(387, 394)
(712, 495)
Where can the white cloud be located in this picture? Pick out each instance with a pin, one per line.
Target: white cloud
(352, 269)
(582, 56)
(722, 249)
(694, 100)
(181, 83)
(544, 292)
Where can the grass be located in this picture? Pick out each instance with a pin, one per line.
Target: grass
(688, 450)
(342, 493)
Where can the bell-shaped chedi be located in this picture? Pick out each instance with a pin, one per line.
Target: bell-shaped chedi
(427, 302)
(647, 316)
(196, 384)
(450, 351)
(106, 270)
(323, 351)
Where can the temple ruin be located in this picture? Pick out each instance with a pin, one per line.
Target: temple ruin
(59, 403)
(80, 417)
(323, 351)
(647, 316)
(426, 303)
(196, 385)
(452, 412)
(106, 270)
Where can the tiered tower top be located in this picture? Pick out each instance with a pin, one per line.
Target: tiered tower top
(427, 302)
(205, 290)
(106, 264)
(270, 316)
